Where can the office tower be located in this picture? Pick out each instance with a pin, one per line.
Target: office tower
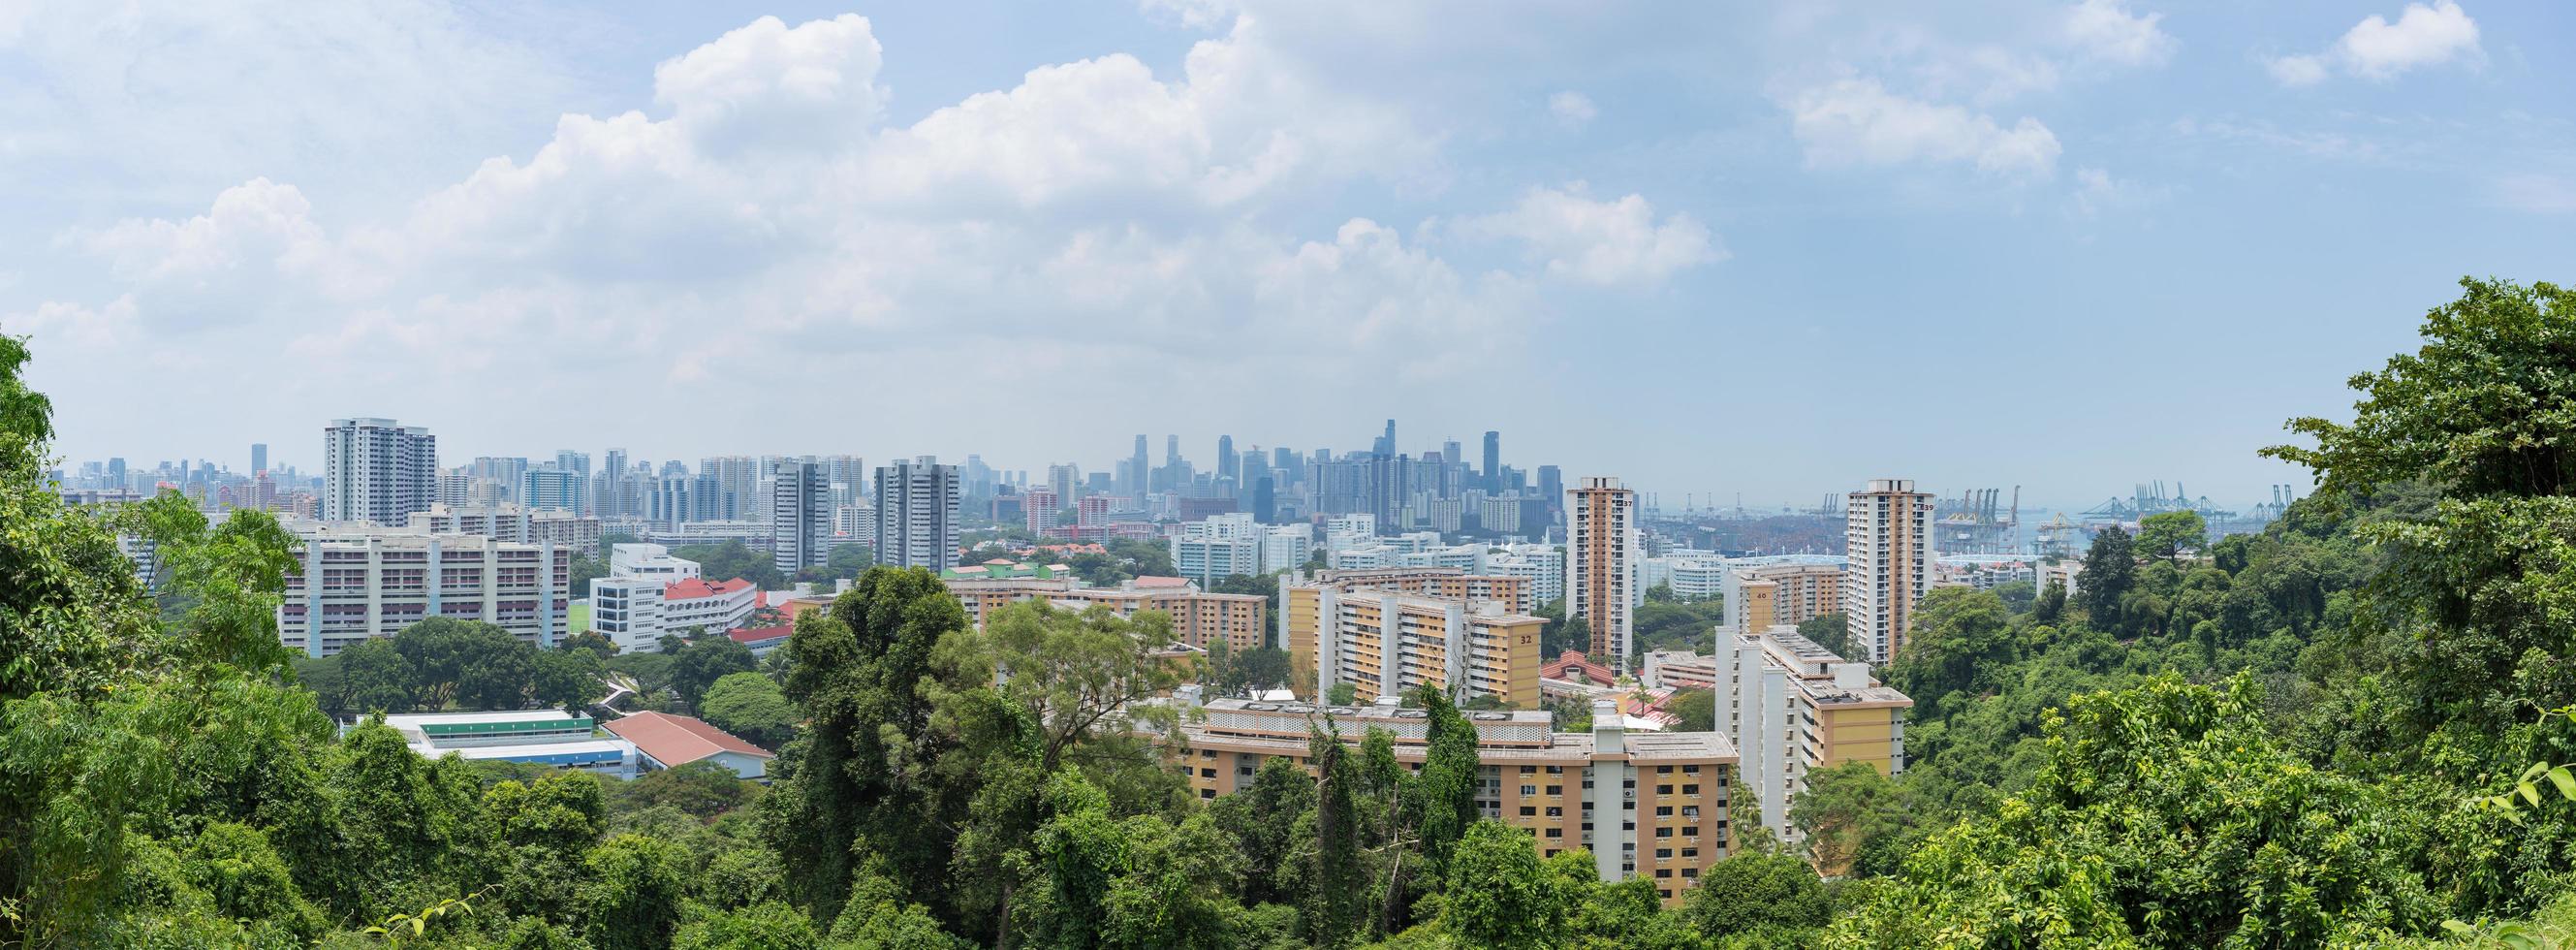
(258, 457)
(1265, 499)
(1551, 488)
(548, 486)
(577, 463)
(1601, 566)
(1450, 452)
(1385, 443)
(375, 470)
(917, 514)
(1887, 546)
(1171, 450)
(1493, 461)
(800, 515)
(1227, 465)
(1135, 485)
(1065, 481)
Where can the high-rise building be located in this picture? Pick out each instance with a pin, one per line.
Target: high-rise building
(258, 457)
(1041, 506)
(917, 508)
(1138, 467)
(1171, 450)
(1887, 545)
(1227, 466)
(800, 515)
(1065, 480)
(1551, 486)
(1601, 566)
(375, 470)
(362, 581)
(1386, 443)
(1759, 596)
(1792, 707)
(1493, 460)
(550, 486)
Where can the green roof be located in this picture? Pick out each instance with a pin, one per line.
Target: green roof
(484, 728)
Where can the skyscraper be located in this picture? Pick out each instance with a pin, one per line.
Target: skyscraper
(1171, 450)
(1493, 460)
(1227, 466)
(800, 515)
(375, 470)
(1601, 566)
(258, 457)
(1135, 486)
(917, 514)
(1887, 544)
(1451, 452)
(1386, 443)
(1551, 487)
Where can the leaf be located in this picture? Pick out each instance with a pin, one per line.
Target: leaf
(2457, 927)
(2565, 781)
(2530, 793)
(2533, 772)
(418, 924)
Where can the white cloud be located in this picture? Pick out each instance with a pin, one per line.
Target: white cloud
(1857, 122)
(1572, 109)
(1600, 242)
(2098, 193)
(762, 214)
(2106, 30)
(2378, 49)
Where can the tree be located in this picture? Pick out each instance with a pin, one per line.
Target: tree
(847, 785)
(1071, 670)
(731, 559)
(1342, 694)
(751, 706)
(1499, 894)
(1765, 897)
(1445, 790)
(1697, 709)
(1856, 820)
(569, 678)
(1831, 631)
(701, 789)
(2051, 605)
(633, 892)
(705, 660)
(2166, 535)
(2109, 570)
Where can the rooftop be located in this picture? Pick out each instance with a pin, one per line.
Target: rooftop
(677, 740)
(696, 588)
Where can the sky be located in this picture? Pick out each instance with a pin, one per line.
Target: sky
(1762, 249)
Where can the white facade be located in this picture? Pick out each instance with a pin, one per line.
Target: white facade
(1543, 565)
(360, 581)
(650, 561)
(1888, 547)
(378, 471)
(917, 508)
(1286, 548)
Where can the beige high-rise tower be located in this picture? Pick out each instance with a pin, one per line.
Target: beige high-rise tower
(1601, 566)
(1888, 543)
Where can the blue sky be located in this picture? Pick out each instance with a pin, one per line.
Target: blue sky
(1768, 249)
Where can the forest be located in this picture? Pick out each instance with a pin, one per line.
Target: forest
(2352, 729)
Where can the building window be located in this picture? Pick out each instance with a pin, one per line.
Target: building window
(1663, 872)
(1663, 853)
(1529, 770)
(1690, 789)
(1207, 793)
(1555, 833)
(1663, 811)
(1663, 789)
(1556, 789)
(1665, 832)
(1690, 872)
(1555, 811)
(1690, 853)
(1529, 790)
(1528, 810)
(1663, 770)
(1207, 773)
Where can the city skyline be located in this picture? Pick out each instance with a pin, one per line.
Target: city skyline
(1637, 221)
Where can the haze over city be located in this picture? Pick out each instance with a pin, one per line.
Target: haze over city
(1714, 249)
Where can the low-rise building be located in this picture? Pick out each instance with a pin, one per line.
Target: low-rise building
(635, 613)
(665, 741)
(1648, 805)
(533, 736)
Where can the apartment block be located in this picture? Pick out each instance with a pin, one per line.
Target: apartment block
(357, 582)
(1792, 707)
(1385, 641)
(1601, 566)
(377, 470)
(1888, 547)
(1761, 594)
(1646, 804)
(1199, 618)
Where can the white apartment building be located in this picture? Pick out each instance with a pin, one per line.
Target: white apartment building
(1219, 547)
(1601, 566)
(359, 581)
(376, 470)
(649, 561)
(1792, 707)
(1542, 565)
(1888, 547)
(1286, 548)
(508, 522)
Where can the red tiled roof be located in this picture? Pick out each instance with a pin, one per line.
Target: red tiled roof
(751, 635)
(697, 588)
(678, 740)
(1571, 659)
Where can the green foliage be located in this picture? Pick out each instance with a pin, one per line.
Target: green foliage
(1697, 709)
(696, 667)
(2110, 569)
(732, 559)
(752, 706)
(769, 925)
(2167, 535)
(1855, 819)
(1442, 803)
(1831, 631)
(633, 891)
(1499, 895)
(1767, 897)
(1342, 694)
